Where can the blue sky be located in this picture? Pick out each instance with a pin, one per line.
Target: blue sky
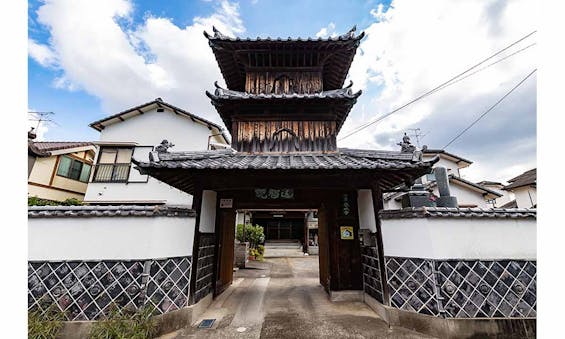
(75, 109)
(91, 59)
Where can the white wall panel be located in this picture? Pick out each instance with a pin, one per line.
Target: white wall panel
(106, 238)
(460, 238)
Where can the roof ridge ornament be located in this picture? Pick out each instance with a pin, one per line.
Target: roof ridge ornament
(218, 34)
(350, 33)
(164, 146)
(405, 145)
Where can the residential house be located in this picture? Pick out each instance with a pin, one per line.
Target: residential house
(58, 170)
(498, 187)
(523, 187)
(134, 133)
(468, 193)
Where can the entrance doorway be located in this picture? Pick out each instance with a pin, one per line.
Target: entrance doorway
(339, 258)
(281, 228)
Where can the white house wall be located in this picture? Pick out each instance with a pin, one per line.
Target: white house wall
(109, 238)
(451, 166)
(148, 130)
(466, 196)
(526, 196)
(152, 127)
(152, 191)
(460, 238)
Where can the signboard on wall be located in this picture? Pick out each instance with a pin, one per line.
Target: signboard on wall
(346, 232)
(226, 203)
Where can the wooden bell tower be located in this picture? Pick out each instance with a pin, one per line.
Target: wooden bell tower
(284, 95)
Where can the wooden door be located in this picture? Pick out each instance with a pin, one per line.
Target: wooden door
(226, 238)
(323, 249)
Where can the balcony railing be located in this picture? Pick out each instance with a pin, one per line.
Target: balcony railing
(111, 173)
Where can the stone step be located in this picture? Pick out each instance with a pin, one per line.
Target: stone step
(282, 252)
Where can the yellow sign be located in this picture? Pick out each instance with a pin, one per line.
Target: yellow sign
(346, 232)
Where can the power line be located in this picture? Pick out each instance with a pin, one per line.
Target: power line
(489, 65)
(441, 86)
(490, 109)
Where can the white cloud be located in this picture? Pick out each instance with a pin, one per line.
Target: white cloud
(378, 14)
(414, 46)
(328, 31)
(128, 66)
(41, 53)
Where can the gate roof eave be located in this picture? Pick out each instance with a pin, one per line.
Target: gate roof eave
(346, 168)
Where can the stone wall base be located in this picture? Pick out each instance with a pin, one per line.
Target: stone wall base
(347, 295)
(455, 328)
(241, 254)
(166, 323)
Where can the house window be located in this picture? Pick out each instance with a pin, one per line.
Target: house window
(113, 165)
(73, 169)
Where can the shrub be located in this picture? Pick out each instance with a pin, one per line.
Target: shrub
(122, 324)
(45, 325)
(71, 202)
(36, 201)
(253, 233)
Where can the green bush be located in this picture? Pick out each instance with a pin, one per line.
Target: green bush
(45, 325)
(36, 201)
(71, 202)
(253, 234)
(125, 324)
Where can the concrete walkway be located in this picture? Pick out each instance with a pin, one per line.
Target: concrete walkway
(282, 298)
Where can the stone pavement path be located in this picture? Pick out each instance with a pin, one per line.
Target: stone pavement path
(282, 298)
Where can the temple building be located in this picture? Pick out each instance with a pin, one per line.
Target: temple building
(284, 106)
(432, 265)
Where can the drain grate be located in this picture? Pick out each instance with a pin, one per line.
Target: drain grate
(206, 323)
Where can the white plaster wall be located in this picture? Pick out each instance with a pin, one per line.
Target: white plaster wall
(466, 196)
(108, 238)
(392, 204)
(451, 166)
(239, 217)
(526, 196)
(366, 209)
(152, 191)
(152, 127)
(460, 238)
(208, 212)
(149, 130)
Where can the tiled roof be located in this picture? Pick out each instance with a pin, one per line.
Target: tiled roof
(524, 179)
(350, 35)
(99, 124)
(476, 186)
(342, 159)
(454, 178)
(451, 155)
(336, 55)
(44, 148)
(342, 93)
(86, 211)
(448, 212)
